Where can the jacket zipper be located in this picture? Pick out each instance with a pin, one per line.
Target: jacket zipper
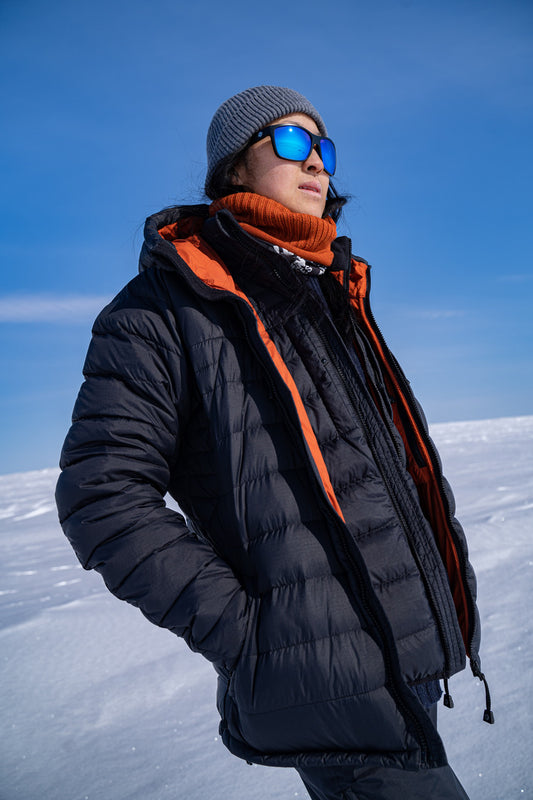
(362, 597)
(488, 715)
(391, 493)
(406, 388)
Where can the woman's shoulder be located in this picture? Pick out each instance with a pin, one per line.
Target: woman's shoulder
(146, 307)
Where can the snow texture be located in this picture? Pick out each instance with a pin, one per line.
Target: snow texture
(97, 704)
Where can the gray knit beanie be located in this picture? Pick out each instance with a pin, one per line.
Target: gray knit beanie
(238, 118)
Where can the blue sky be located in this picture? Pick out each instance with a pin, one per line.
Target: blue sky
(430, 103)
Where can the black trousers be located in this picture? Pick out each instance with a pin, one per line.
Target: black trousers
(383, 783)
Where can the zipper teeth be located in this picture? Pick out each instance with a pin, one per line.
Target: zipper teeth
(346, 548)
(390, 492)
(296, 429)
(401, 516)
(385, 415)
(406, 388)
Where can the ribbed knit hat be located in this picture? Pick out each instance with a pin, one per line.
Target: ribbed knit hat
(238, 118)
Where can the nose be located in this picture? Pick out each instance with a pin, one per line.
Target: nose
(313, 162)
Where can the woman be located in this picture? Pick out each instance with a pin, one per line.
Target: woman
(319, 567)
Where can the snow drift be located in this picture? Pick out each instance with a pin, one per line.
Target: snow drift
(97, 703)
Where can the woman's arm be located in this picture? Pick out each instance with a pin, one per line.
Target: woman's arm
(116, 464)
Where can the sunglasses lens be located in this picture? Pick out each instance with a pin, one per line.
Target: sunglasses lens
(328, 155)
(295, 144)
(292, 143)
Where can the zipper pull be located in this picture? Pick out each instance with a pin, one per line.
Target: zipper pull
(447, 699)
(488, 715)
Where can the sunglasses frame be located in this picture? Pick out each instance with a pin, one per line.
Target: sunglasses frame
(316, 140)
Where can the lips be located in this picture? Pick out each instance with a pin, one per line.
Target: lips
(311, 186)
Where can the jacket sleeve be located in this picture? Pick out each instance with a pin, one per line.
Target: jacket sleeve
(116, 463)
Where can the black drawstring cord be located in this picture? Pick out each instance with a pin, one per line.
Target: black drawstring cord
(447, 699)
(488, 716)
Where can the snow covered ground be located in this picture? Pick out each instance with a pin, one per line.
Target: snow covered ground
(97, 704)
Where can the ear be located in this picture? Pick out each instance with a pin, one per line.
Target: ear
(236, 174)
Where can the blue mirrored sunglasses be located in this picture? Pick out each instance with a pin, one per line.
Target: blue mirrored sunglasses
(296, 143)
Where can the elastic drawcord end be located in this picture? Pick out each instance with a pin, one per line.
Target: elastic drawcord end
(488, 716)
(447, 699)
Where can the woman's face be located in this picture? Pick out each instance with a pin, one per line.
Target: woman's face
(301, 186)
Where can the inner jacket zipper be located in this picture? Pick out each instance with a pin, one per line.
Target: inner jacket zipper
(345, 539)
(488, 715)
(406, 389)
(347, 383)
(389, 424)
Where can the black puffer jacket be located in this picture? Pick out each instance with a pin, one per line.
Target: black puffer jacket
(312, 571)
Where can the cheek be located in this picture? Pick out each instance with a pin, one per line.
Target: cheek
(266, 174)
(279, 179)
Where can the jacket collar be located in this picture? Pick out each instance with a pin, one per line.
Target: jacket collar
(254, 264)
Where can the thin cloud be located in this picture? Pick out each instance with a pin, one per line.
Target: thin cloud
(60, 309)
(442, 313)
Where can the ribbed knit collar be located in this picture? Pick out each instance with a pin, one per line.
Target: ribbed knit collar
(303, 234)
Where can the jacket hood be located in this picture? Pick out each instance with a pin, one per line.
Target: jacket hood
(174, 222)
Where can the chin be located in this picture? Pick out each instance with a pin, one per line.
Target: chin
(310, 209)
(314, 212)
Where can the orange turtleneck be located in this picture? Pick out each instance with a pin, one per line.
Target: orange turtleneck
(302, 234)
